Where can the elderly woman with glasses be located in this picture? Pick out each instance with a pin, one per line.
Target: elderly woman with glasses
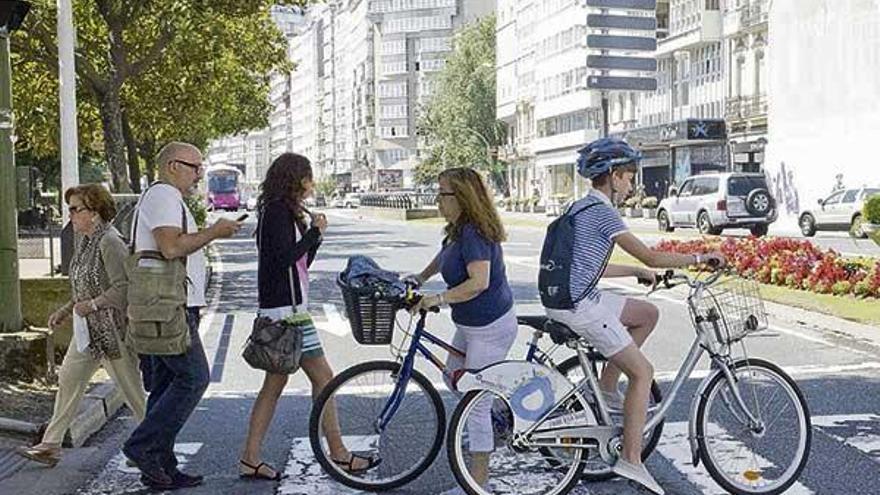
(98, 284)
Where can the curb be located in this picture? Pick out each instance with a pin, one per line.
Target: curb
(98, 405)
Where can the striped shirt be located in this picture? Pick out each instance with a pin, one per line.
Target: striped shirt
(594, 233)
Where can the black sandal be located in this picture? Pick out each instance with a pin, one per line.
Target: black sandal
(257, 475)
(348, 465)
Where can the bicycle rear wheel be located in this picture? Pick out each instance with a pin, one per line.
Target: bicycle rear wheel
(407, 445)
(595, 468)
(748, 460)
(510, 469)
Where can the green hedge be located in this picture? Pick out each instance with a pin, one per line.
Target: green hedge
(871, 210)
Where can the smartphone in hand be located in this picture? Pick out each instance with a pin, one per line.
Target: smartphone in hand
(242, 218)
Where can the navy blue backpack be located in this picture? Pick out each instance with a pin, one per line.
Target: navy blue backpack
(554, 276)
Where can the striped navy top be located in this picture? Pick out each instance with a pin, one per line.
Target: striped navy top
(594, 233)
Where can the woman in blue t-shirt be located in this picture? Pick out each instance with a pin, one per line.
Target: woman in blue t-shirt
(472, 265)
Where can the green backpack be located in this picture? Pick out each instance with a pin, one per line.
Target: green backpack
(157, 299)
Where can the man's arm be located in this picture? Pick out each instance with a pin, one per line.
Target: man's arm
(173, 243)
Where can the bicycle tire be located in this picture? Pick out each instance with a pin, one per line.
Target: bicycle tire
(804, 417)
(454, 447)
(339, 474)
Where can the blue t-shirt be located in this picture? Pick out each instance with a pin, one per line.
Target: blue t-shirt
(594, 233)
(493, 302)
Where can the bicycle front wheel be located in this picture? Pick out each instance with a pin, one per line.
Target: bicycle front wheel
(348, 410)
(485, 463)
(766, 458)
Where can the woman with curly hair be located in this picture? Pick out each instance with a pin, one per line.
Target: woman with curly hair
(287, 245)
(471, 262)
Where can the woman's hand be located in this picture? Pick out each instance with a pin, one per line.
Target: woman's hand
(57, 318)
(413, 279)
(427, 302)
(319, 221)
(85, 308)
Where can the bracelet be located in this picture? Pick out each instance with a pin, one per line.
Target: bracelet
(94, 306)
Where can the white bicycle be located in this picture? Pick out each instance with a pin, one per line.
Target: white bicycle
(749, 422)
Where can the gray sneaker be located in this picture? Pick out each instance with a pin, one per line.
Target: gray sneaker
(638, 473)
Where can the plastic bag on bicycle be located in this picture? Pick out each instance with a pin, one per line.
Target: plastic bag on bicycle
(363, 271)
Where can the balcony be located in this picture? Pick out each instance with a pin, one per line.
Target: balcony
(754, 14)
(746, 107)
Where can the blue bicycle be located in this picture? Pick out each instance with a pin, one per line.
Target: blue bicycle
(387, 410)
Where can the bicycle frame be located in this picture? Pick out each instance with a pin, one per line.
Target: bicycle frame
(416, 347)
(590, 383)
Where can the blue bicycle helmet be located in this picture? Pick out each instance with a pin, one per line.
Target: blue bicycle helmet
(604, 154)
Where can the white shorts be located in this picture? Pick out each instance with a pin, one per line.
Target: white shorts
(598, 322)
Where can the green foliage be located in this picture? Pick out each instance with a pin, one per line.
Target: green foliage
(190, 70)
(871, 210)
(650, 202)
(196, 205)
(326, 187)
(459, 121)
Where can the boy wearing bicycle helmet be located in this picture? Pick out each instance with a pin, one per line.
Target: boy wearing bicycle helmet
(616, 326)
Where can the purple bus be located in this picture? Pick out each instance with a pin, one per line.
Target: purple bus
(224, 188)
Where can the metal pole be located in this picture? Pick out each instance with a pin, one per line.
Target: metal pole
(10, 292)
(67, 95)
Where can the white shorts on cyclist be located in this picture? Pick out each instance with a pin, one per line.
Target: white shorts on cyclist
(598, 322)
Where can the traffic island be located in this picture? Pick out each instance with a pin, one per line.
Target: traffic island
(400, 213)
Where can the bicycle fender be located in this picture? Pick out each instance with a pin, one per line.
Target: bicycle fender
(692, 422)
(530, 389)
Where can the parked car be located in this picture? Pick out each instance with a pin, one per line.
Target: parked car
(713, 202)
(350, 200)
(842, 210)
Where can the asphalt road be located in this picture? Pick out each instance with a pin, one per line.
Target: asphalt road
(838, 375)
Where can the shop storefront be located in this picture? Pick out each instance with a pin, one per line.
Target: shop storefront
(677, 150)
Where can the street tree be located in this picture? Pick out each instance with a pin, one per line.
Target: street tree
(146, 56)
(459, 122)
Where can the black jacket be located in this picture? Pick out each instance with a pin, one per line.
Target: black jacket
(278, 251)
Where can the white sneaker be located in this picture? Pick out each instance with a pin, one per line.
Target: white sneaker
(638, 473)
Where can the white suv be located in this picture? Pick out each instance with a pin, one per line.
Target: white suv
(842, 210)
(713, 202)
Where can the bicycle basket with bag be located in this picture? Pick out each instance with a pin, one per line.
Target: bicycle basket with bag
(372, 297)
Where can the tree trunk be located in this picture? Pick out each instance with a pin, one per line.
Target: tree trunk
(114, 143)
(134, 166)
(148, 153)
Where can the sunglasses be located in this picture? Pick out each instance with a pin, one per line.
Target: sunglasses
(197, 167)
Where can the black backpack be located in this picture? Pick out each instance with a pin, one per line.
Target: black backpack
(554, 275)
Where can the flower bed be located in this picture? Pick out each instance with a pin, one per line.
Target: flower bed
(790, 263)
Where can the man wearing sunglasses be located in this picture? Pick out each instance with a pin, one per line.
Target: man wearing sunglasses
(176, 382)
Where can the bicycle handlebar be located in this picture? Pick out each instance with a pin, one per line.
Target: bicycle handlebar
(670, 279)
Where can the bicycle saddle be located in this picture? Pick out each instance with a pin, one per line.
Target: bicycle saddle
(535, 321)
(559, 332)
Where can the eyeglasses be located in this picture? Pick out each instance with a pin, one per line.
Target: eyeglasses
(197, 167)
(76, 209)
(441, 194)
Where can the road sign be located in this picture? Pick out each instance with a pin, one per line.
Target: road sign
(608, 62)
(623, 4)
(615, 42)
(602, 21)
(622, 83)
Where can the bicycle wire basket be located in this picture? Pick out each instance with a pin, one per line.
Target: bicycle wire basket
(370, 312)
(732, 308)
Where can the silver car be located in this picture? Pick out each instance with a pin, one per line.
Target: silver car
(713, 202)
(842, 210)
